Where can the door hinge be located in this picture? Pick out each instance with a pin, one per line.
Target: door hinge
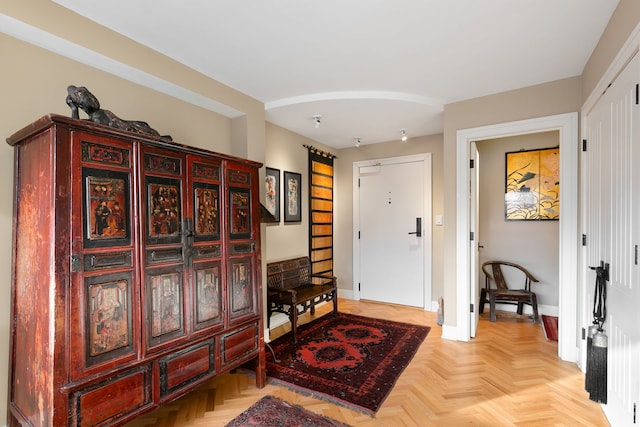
(358, 286)
(471, 163)
(584, 333)
(584, 145)
(358, 235)
(637, 94)
(635, 255)
(584, 240)
(358, 182)
(634, 413)
(471, 236)
(472, 308)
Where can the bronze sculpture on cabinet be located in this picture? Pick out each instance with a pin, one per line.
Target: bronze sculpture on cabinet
(79, 97)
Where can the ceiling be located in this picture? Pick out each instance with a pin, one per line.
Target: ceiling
(369, 69)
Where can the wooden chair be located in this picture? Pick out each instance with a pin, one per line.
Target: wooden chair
(503, 293)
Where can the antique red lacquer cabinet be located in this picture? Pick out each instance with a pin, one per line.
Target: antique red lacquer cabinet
(136, 274)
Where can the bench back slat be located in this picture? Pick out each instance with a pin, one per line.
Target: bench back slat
(289, 273)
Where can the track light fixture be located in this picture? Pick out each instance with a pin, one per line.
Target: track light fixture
(316, 120)
(403, 135)
(357, 142)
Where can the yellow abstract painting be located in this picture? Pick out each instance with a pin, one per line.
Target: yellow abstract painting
(533, 185)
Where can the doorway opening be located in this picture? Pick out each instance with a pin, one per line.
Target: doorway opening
(528, 237)
(567, 125)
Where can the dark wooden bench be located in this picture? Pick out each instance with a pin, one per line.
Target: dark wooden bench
(292, 290)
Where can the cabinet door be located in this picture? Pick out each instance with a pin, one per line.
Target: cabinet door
(164, 294)
(205, 249)
(243, 247)
(104, 311)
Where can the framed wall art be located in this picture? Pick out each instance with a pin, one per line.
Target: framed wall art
(272, 192)
(291, 189)
(532, 188)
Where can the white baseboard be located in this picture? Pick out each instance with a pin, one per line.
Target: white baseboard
(547, 310)
(346, 294)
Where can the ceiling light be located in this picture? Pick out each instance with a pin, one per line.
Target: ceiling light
(316, 120)
(357, 142)
(403, 135)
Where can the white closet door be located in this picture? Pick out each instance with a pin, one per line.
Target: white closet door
(612, 225)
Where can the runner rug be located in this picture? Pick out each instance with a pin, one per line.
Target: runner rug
(273, 412)
(349, 360)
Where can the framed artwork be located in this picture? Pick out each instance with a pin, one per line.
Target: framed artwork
(106, 208)
(272, 192)
(108, 316)
(240, 219)
(164, 213)
(206, 211)
(291, 191)
(532, 188)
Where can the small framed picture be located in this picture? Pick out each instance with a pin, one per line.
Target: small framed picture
(292, 196)
(272, 192)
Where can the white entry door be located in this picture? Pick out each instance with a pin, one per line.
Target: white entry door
(395, 231)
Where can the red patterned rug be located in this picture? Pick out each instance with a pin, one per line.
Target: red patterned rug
(550, 327)
(350, 360)
(273, 412)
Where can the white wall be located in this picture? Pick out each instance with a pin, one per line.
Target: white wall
(532, 244)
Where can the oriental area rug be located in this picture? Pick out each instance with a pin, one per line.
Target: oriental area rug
(349, 360)
(273, 412)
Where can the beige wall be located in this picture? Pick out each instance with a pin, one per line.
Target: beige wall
(532, 244)
(623, 21)
(344, 206)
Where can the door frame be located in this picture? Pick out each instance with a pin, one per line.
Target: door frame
(567, 125)
(427, 225)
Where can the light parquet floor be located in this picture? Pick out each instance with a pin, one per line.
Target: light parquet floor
(509, 375)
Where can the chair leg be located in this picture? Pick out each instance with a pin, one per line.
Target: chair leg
(483, 297)
(520, 307)
(334, 297)
(293, 317)
(534, 306)
(492, 306)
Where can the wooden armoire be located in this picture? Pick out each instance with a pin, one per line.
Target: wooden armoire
(136, 272)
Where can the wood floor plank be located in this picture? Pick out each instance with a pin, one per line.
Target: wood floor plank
(509, 375)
